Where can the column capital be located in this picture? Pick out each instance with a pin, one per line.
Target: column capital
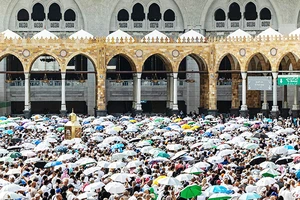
(244, 75)
(138, 75)
(63, 75)
(175, 74)
(275, 74)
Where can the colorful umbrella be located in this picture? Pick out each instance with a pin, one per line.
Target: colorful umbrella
(52, 164)
(15, 155)
(219, 196)
(191, 191)
(249, 196)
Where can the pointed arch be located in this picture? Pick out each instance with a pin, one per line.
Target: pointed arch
(202, 65)
(220, 15)
(38, 12)
(234, 12)
(154, 12)
(233, 61)
(166, 61)
(138, 13)
(250, 11)
(90, 58)
(260, 61)
(123, 15)
(70, 15)
(23, 15)
(127, 57)
(44, 54)
(288, 57)
(169, 15)
(54, 12)
(265, 14)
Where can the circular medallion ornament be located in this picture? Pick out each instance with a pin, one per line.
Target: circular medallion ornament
(273, 51)
(243, 52)
(175, 53)
(26, 53)
(63, 53)
(139, 53)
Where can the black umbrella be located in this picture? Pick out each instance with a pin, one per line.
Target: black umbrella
(16, 140)
(284, 160)
(40, 164)
(14, 148)
(274, 158)
(258, 160)
(134, 140)
(260, 135)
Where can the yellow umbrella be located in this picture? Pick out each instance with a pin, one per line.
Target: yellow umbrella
(186, 126)
(132, 121)
(177, 120)
(117, 128)
(155, 182)
(195, 127)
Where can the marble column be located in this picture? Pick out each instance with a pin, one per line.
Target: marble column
(63, 109)
(175, 101)
(27, 111)
(212, 94)
(275, 110)
(244, 107)
(296, 107)
(235, 100)
(138, 105)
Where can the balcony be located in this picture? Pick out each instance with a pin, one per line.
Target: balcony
(220, 25)
(49, 25)
(234, 24)
(250, 24)
(243, 24)
(40, 83)
(146, 25)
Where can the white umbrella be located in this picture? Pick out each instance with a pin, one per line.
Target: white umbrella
(116, 165)
(13, 171)
(279, 150)
(94, 186)
(215, 159)
(111, 131)
(266, 181)
(65, 157)
(146, 149)
(225, 152)
(87, 195)
(4, 151)
(91, 170)
(103, 145)
(268, 164)
(28, 146)
(223, 146)
(10, 195)
(115, 188)
(113, 139)
(28, 153)
(174, 147)
(169, 181)
(103, 164)
(193, 170)
(184, 177)
(118, 156)
(51, 140)
(32, 160)
(133, 164)
(189, 139)
(143, 143)
(4, 182)
(12, 188)
(85, 161)
(121, 177)
(79, 146)
(226, 136)
(130, 153)
(202, 165)
(97, 138)
(67, 142)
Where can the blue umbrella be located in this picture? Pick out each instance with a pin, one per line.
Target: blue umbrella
(249, 196)
(86, 122)
(99, 128)
(52, 164)
(217, 189)
(117, 146)
(3, 118)
(167, 128)
(61, 149)
(26, 173)
(288, 147)
(36, 142)
(9, 132)
(20, 128)
(46, 119)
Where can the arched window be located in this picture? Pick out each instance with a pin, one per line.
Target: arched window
(220, 15)
(154, 13)
(234, 12)
(38, 13)
(169, 15)
(69, 15)
(123, 15)
(54, 12)
(138, 12)
(265, 14)
(23, 15)
(250, 11)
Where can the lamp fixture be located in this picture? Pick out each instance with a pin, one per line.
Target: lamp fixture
(154, 78)
(81, 78)
(119, 78)
(9, 79)
(45, 79)
(189, 79)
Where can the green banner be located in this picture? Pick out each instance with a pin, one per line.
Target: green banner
(4, 104)
(288, 80)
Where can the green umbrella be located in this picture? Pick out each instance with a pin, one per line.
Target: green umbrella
(149, 141)
(60, 129)
(15, 155)
(191, 191)
(269, 172)
(191, 123)
(163, 154)
(6, 159)
(219, 196)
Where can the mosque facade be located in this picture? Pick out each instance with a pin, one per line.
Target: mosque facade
(161, 74)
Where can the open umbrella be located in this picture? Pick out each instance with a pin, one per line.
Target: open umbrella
(193, 170)
(120, 177)
(10, 195)
(249, 196)
(103, 164)
(115, 188)
(134, 164)
(191, 191)
(266, 181)
(257, 160)
(284, 160)
(269, 172)
(65, 157)
(268, 164)
(219, 196)
(169, 181)
(52, 164)
(91, 170)
(12, 188)
(155, 181)
(40, 164)
(15, 154)
(216, 189)
(94, 186)
(116, 165)
(184, 177)
(62, 149)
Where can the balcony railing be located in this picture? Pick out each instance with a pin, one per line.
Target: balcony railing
(39, 83)
(243, 24)
(49, 25)
(146, 25)
(129, 83)
(250, 24)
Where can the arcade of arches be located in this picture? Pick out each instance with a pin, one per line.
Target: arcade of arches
(147, 76)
